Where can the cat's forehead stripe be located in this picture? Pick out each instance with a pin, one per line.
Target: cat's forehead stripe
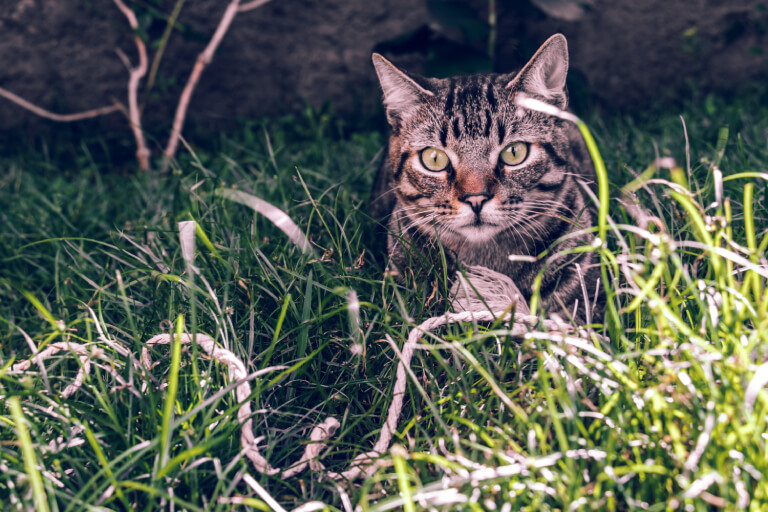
(490, 97)
(488, 122)
(471, 102)
(444, 132)
(457, 127)
(448, 106)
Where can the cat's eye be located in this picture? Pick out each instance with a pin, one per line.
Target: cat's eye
(434, 159)
(515, 153)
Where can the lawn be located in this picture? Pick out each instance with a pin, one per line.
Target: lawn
(658, 407)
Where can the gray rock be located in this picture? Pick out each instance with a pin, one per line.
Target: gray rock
(60, 54)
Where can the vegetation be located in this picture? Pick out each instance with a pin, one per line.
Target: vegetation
(658, 408)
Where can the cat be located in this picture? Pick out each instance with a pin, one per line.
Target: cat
(470, 171)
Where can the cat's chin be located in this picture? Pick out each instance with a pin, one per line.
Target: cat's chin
(479, 233)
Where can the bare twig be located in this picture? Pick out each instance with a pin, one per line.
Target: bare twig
(64, 118)
(202, 61)
(254, 4)
(136, 74)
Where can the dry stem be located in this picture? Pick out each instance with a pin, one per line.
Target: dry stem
(64, 118)
(249, 6)
(136, 74)
(202, 61)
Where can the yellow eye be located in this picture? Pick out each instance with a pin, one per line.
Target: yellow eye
(434, 159)
(515, 153)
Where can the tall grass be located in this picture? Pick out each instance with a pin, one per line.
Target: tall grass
(659, 407)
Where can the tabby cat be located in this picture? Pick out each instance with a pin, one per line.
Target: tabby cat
(470, 170)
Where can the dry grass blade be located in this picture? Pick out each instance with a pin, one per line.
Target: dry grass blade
(278, 217)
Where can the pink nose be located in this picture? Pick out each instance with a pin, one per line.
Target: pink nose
(476, 201)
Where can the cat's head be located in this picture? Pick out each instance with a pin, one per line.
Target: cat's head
(467, 161)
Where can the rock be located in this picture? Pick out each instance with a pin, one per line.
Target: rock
(60, 54)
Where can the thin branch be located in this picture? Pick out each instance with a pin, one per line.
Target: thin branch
(47, 114)
(136, 74)
(202, 61)
(163, 44)
(249, 6)
(123, 58)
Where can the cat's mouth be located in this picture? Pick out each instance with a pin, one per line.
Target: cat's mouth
(479, 223)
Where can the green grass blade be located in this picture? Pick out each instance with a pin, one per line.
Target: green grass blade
(278, 328)
(43, 310)
(166, 430)
(28, 452)
(306, 312)
(403, 483)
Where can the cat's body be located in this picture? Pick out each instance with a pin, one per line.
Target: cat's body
(471, 170)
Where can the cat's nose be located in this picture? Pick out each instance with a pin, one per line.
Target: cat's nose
(476, 201)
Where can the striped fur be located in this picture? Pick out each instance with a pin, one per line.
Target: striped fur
(479, 209)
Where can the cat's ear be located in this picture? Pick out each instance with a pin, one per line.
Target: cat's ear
(402, 95)
(545, 73)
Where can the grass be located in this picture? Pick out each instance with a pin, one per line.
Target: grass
(651, 410)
